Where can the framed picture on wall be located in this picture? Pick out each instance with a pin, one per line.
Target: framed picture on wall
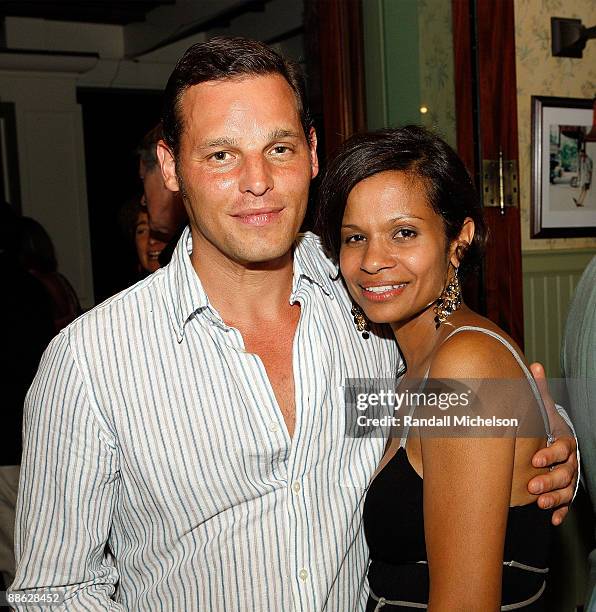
(563, 156)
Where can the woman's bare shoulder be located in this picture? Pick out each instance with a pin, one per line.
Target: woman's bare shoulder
(476, 354)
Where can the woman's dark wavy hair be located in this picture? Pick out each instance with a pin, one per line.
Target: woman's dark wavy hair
(421, 155)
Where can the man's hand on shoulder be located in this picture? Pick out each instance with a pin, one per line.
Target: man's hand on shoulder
(556, 489)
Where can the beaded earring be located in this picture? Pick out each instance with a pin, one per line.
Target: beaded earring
(361, 321)
(449, 301)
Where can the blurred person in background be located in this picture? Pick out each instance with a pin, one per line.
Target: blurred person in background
(134, 221)
(578, 362)
(167, 216)
(38, 257)
(27, 316)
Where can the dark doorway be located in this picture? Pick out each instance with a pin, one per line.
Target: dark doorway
(114, 121)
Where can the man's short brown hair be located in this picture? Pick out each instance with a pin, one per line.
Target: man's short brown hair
(224, 58)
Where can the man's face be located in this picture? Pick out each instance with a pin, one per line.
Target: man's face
(244, 167)
(162, 209)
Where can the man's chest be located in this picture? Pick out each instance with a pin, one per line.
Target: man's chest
(199, 424)
(274, 345)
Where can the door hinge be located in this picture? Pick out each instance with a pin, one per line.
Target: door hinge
(500, 186)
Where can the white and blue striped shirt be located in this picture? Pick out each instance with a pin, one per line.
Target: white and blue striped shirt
(158, 473)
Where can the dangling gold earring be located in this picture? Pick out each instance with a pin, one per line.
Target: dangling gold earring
(449, 300)
(361, 321)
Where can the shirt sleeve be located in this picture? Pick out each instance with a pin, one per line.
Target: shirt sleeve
(67, 492)
(567, 420)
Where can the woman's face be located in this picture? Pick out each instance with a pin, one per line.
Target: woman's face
(148, 248)
(394, 255)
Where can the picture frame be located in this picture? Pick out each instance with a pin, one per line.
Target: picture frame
(563, 156)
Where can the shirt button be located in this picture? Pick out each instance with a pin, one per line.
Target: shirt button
(273, 427)
(296, 487)
(303, 575)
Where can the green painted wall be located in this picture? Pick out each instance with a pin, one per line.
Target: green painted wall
(391, 62)
(409, 64)
(374, 63)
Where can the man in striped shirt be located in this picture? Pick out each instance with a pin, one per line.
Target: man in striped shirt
(185, 444)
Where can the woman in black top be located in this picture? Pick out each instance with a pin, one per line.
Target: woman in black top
(449, 521)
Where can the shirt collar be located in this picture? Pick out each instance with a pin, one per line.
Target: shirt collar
(310, 262)
(187, 297)
(184, 289)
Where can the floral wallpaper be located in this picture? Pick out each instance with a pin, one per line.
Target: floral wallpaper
(437, 91)
(538, 73)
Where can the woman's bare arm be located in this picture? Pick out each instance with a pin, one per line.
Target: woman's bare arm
(467, 488)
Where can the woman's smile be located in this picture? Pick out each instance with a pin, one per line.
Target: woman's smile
(382, 292)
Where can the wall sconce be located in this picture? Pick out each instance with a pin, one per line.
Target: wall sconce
(569, 36)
